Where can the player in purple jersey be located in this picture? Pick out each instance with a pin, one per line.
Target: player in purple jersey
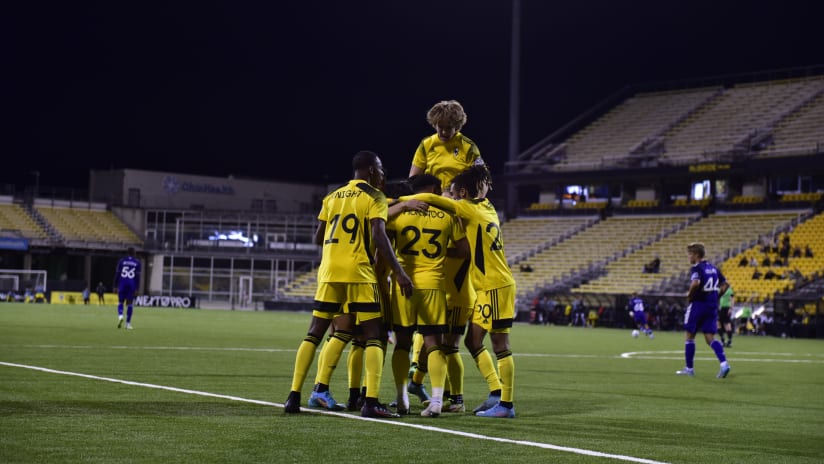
(126, 280)
(636, 307)
(702, 311)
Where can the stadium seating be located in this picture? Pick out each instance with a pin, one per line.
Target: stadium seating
(88, 225)
(14, 219)
(729, 119)
(594, 246)
(615, 135)
(303, 286)
(808, 233)
(800, 132)
(719, 233)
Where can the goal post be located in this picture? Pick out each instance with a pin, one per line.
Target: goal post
(19, 279)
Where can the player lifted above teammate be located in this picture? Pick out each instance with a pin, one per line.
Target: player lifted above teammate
(448, 152)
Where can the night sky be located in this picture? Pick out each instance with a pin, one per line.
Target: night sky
(291, 90)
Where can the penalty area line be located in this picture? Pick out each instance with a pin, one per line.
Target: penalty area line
(348, 416)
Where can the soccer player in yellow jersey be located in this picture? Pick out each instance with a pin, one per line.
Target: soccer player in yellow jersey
(447, 152)
(352, 233)
(422, 242)
(494, 284)
(460, 301)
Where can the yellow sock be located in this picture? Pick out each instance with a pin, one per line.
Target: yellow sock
(417, 344)
(487, 368)
(506, 366)
(303, 359)
(373, 355)
(436, 365)
(455, 370)
(354, 365)
(332, 351)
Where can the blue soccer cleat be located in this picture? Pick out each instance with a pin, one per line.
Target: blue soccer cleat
(688, 371)
(418, 390)
(490, 402)
(325, 401)
(498, 411)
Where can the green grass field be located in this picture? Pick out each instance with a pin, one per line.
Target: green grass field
(208, 385)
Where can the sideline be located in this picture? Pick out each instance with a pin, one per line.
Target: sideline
(348, 416)
(766, 357)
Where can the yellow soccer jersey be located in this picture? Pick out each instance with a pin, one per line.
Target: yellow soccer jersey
(483, 230)
(446, 160)
(459, 289)
(421, 239)
(348, 251)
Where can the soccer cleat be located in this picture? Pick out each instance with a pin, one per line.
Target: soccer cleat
(723, 372)
(487, 404)
(454, 407)
(292, 404)
(129, 326)
(433, 410)
(651, 336)
(497, 411)
(119, 321)
(377, 411)
(401, 406)
(325, 401)
(412, 368)
(688, 371)
(418, 390)
(728, 345)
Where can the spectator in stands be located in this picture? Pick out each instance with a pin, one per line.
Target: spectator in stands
(653, 266)
(808, 252)
(525, 267)
(784, 252)
(756, 275)
(101, 291)
(753, 262)
(766, 261)
(796, 251)
(769, 275)
(448, 152)
(743, 261)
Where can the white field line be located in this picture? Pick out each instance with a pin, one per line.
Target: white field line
(348, 416)
(661, 354)
(755, 356)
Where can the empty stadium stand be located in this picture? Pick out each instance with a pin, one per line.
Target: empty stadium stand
(89, 225)
(15, 221)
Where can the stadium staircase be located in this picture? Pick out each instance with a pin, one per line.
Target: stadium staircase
(15, 221)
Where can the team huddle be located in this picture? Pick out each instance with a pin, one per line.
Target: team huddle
(428, 264)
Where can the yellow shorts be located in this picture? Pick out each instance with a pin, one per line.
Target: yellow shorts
(457, 317)
(495, 309)
(424, 310)
(364, 299)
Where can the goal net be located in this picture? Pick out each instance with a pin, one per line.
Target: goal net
(19, 280)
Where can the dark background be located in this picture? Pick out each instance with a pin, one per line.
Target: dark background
(291, 90)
